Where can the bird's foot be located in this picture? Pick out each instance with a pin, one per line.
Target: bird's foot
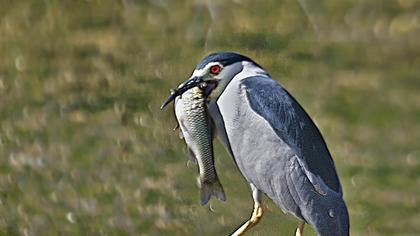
(255, 218)
(299, 230)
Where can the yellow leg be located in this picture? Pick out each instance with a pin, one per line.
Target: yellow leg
(299, 230)
(256, 214)
(255, 218)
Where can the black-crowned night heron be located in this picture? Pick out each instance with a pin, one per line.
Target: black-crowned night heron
(273, 141)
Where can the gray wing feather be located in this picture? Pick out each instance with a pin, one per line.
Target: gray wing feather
(326, 213)
(293, 125)
(309, 187)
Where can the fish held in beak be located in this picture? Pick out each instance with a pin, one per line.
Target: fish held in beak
(206, 86)
(195, 123)
(192, 82)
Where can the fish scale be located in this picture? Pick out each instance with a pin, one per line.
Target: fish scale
(197, 124)
(194, 105)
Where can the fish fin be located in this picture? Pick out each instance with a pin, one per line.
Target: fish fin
(181, 135)
(191, 157)
(176, 127)
(208, 189)
(183, 131)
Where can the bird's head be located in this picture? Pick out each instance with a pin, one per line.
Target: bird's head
(213, 74)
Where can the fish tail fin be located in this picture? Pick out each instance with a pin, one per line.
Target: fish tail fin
(191, 157)
(209, 189)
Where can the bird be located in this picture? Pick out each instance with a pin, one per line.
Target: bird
(275, 144)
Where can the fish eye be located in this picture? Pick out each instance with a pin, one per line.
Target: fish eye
(202, 86)
(215, 70)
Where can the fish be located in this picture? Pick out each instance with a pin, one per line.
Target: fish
(197, 132)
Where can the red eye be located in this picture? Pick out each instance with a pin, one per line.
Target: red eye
(215, 69)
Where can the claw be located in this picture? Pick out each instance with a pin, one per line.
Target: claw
(256, 216)
(299, 230)
(254, 220)
(211, 208)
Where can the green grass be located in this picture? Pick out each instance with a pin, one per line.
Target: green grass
(85, 149)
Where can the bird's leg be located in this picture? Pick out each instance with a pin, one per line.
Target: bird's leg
(299, 230)
(256, 214)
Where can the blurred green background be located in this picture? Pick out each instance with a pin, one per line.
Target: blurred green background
(85, 149)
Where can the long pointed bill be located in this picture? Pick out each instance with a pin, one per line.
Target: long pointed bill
(192, 82)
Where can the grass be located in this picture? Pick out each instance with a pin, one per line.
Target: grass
(86, 151)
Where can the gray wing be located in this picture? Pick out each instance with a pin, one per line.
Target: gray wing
(293, 125)
(309, 187)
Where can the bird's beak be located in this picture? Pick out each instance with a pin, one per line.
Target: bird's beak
(190, 83)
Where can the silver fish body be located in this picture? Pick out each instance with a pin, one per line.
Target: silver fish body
(191, 113)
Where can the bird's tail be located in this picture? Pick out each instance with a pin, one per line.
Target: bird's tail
(208, 189)
(332, 219)
(343, 221)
